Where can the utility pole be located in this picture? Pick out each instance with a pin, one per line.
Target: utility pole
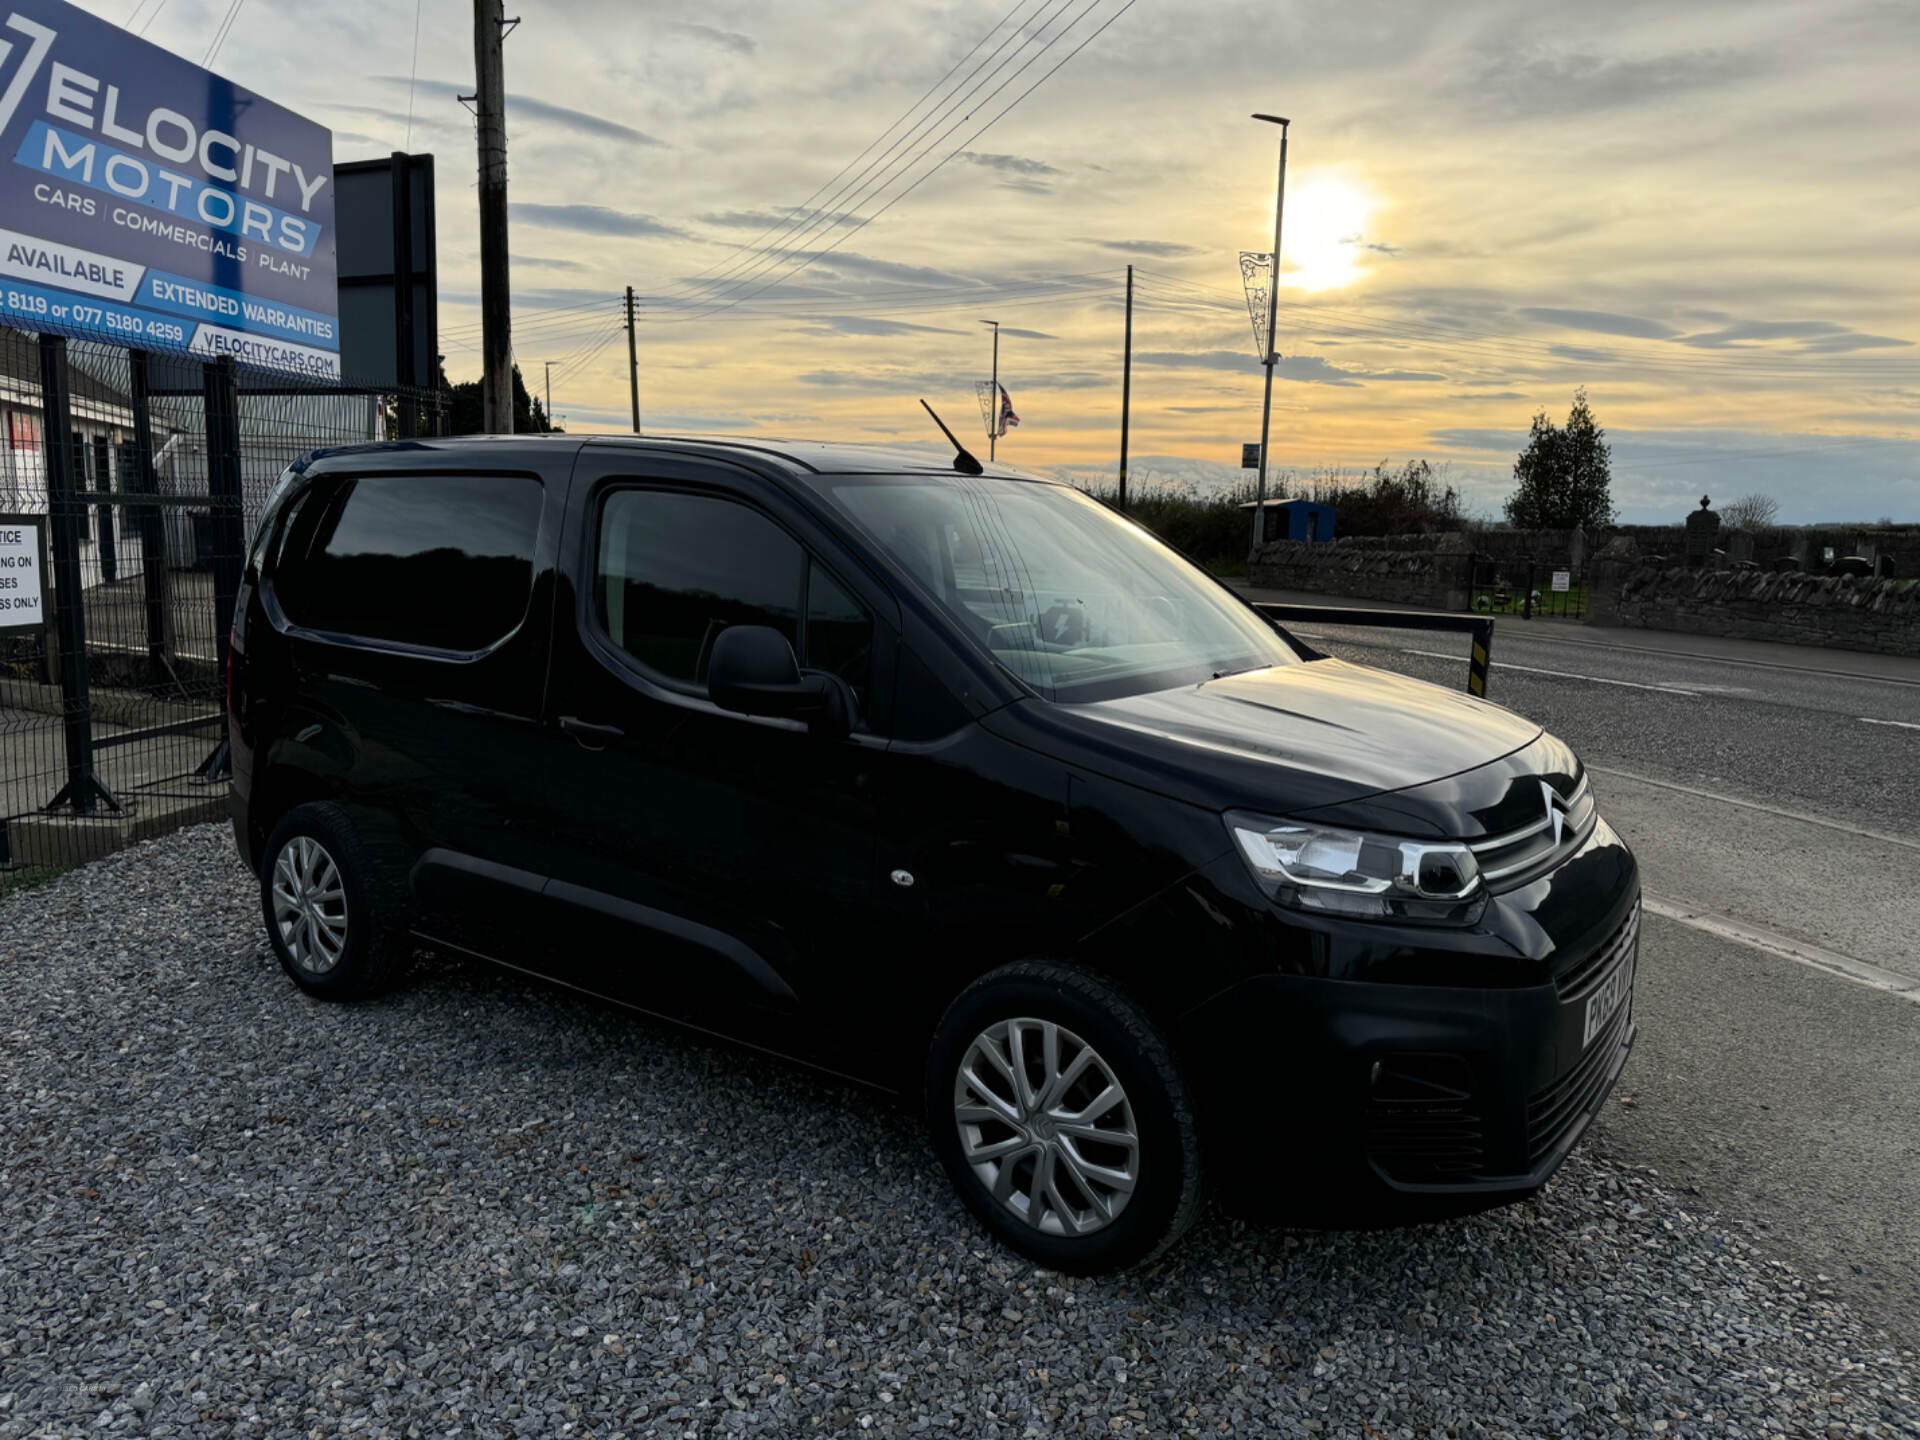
(1273, 313)
(993, 425)
(550, 365)
(1126, 391)
(633, 363)
(496, 337)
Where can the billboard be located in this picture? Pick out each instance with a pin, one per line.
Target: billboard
(147, 202)
(389, 286)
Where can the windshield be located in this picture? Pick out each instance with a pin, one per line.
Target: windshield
(1076, 601)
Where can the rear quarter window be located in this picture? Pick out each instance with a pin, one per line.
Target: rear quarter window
(443, 562)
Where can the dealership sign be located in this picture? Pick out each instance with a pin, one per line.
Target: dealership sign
(150, 203)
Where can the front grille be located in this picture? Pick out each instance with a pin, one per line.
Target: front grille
(1553, 1113)
(1581, 977)
(1422, 1126)
(1531, 851)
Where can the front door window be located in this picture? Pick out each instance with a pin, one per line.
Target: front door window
(673, 570)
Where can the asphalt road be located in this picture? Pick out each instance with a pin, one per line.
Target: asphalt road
(1775, 806)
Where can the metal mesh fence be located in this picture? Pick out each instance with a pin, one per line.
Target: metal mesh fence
(138, 477)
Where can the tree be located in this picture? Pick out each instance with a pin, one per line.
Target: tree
(1750, 512)
(1414, 499)
(1563, 479)
(464, 411)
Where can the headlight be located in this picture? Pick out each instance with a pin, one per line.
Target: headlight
(1359, 874)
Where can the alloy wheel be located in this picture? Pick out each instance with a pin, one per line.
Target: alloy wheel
(310, 904)
(1046, 1125)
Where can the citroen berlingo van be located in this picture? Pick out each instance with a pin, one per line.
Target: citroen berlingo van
(946, 778)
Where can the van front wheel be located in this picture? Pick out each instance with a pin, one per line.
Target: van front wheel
(1061, 1118)
(331, 907)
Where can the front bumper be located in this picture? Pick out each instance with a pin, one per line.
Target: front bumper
(1342, 1102)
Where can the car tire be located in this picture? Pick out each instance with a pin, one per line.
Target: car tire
(333, 899)
(1078, 1189)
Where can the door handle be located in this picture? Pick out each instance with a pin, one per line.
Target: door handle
(594, 737)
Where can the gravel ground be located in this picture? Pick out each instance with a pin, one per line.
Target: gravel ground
(485, 1207)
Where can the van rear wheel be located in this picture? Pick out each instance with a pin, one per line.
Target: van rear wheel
(333, 909)
(1062, 1119)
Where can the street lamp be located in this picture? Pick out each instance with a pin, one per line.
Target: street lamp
(1273, 306)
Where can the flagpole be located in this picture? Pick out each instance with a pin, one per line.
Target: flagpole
(1126, 391)
(993, 426)
(1273, 306)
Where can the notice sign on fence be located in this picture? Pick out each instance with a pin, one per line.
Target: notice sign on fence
(147, 202)
(23, 561)
(1563, 580)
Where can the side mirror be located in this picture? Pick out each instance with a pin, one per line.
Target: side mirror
(753, 671)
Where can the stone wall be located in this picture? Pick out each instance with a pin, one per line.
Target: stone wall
(1425, 570)
(1840, 611)
(1774, 542)
(1548, 549)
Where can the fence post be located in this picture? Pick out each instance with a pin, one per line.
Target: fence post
(222, 388)
(66, 513)
(1481, 660)
(151, 523)
(223, 489)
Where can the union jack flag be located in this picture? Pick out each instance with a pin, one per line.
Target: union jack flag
(1007, 418)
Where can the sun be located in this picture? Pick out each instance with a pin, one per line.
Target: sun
(1325, 232)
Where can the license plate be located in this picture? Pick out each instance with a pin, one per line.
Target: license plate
(1612, 994)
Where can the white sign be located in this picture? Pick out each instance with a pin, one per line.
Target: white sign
(21, 590)
(1562, 579)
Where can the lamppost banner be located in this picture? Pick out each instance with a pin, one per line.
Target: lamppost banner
(1256, 277)
(147, 202)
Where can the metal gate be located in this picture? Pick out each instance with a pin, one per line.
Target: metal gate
(1525, 589)
(129, 483)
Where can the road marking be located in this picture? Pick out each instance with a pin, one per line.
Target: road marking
(1591, 644)
(1660, 652)
(1903, 724)
(1564, 674)
(1816, 957)
(1859, 831)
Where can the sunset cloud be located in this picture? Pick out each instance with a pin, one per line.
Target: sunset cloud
(1701, 213)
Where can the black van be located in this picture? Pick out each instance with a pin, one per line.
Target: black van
(957, 783)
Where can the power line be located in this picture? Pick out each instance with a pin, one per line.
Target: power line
(600, 303)
(861, 188)
(809, 260)
(867, 305)
(571, 355)
(801, 209)
(221, 33)
(1370, 324)
(865, 189)
(1040, 290)
(148, 22)
(580, 362)
(1518, 349)
(413, 70)
(468, 332)
(583, 318)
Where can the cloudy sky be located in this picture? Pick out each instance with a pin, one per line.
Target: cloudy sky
(1706, 213)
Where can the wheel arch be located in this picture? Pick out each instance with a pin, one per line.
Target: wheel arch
(277, 790)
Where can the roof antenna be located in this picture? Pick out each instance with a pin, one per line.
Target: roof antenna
(963, 460)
